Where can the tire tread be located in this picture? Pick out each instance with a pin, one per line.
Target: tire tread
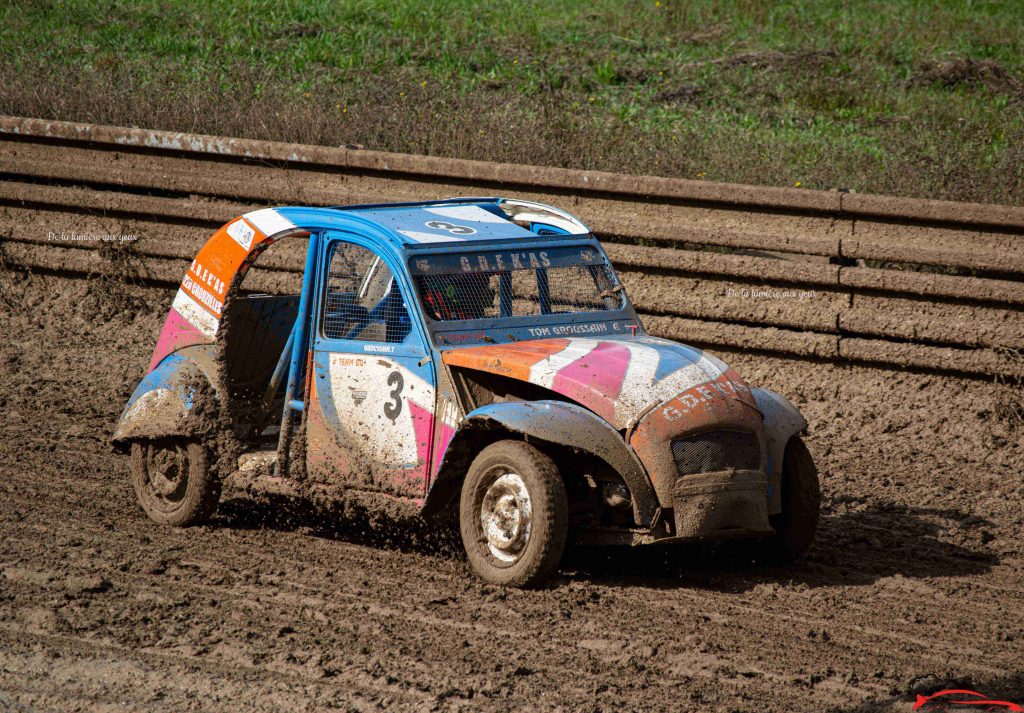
(801, 505)
(538, 565)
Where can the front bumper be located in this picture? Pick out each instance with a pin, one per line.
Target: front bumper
(710, 505)
(706, 507)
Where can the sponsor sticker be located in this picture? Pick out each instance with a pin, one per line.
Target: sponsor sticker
(241, 233)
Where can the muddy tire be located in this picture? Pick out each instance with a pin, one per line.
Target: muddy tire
(173, 482)
(513, 515)
(801, 506)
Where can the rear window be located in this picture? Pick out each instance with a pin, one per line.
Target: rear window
(495, 284)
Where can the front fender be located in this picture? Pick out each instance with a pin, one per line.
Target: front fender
(782, 421)
(164, 403)
(556, 422)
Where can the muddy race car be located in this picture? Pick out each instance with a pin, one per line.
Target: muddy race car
(474, 360)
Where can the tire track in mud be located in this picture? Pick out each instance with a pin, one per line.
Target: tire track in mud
(879, 594)
(610, 640)
(266, 610)
(410, 612)
(92, 659)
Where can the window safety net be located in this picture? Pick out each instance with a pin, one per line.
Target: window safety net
(491, 285)
(363, 300)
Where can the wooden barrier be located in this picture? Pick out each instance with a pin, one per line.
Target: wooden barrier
(830, 275)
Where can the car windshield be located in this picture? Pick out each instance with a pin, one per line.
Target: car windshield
(502, 284)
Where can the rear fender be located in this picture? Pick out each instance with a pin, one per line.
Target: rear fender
(782, 421)
(555, 422)
(164, 403)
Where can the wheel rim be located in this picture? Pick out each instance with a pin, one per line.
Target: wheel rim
(506, 516)
(167, 474)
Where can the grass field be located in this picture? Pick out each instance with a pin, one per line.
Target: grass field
(910, 98)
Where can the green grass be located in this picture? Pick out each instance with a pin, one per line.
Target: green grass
(823, 93)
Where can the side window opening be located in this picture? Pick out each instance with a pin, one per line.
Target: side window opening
(276, 269)
(258, 319)
(363, 301)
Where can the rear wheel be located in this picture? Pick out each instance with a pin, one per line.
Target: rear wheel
(173, 483)
(801, 505)
(513, 515)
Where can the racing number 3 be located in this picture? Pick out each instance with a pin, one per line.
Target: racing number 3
(450, 227)
(393, 409)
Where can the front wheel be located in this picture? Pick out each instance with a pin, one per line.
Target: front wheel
(514, 515)
(173, 482)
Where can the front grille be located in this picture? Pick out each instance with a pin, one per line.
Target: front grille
(716, 450)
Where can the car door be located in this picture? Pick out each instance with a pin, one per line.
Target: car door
(371, 410)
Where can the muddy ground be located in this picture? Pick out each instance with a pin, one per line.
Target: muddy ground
(914, 582)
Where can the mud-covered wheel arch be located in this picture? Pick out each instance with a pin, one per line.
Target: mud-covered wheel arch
(173, 481)
(573, 456)
(443, 499)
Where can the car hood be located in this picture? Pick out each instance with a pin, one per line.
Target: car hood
(619, 379)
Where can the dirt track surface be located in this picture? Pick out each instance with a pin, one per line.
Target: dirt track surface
(914, 582)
